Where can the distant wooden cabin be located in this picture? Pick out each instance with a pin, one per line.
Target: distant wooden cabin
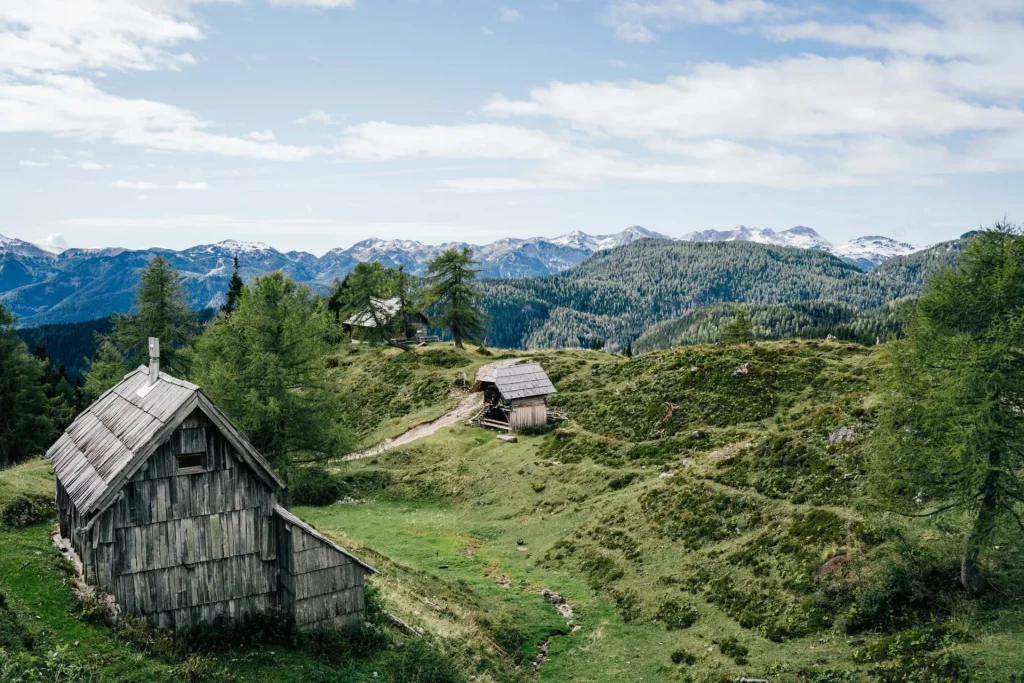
(514, 397)
(414, 328)
(175, 514)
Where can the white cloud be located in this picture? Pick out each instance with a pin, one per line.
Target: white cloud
(788, 100)
(381, 141)
(487, 31)
(315, 116)
(33, 164)
(509, 15)
(185, 185)
(632, 18)
(47, 47)
(323, 4)
(142, 197)
(69, 106)
(87, 166)
(262, 136)
(633, 33)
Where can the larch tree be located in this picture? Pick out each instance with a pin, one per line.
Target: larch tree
(26, 422)
(266, 367)
(162, 311)
(951, 433)
(454, 296)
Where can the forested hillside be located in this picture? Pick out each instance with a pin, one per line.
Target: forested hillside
(615, 296)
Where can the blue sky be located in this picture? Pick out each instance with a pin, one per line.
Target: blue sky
(311, 124)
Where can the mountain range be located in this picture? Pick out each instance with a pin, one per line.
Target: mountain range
(49, 283)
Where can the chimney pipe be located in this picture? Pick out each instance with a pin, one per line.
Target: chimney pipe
(154, 359)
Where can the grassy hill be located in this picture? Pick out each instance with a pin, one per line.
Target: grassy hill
(703, 515)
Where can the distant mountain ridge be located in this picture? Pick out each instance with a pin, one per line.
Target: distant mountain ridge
(48, 283)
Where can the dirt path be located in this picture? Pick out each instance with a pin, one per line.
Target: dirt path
(467, 407)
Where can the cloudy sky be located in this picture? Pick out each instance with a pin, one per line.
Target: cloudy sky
(310, 124)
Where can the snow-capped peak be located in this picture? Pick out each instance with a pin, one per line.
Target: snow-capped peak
(799, 236)
(870, 250)
(577, 239)
(55, 243)
(241, 246)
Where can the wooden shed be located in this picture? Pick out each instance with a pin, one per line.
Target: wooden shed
(515, 396)
(413, 328)
(175, 514)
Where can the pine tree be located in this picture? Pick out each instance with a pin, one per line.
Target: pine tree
(950, 429)
(26, 416)
(740, 330)
(454, 296)
(235, 287)
(265, 366)
(628, 353)
(162, 312)
(106, 369)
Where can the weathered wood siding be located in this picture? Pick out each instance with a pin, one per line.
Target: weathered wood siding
(322, 586)
(528, 412)
(177, 546)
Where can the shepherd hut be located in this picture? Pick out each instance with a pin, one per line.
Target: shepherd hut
(515, 396)
(173, 512)
(413, 328)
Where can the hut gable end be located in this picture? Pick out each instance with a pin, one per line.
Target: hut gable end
(174, 513)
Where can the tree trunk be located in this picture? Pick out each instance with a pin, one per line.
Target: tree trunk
(970, 573)
(458, 339)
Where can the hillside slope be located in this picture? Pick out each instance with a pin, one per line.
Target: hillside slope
(703, 513)
(617, 295)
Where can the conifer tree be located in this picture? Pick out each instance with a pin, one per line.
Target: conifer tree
(162, 312)
(235, 287)
(26, 423)
(454, 296)
(740, 330)
(265, 366)
(106, 369)
(950, 431)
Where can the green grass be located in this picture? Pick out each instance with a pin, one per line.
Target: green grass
(754, 555)
(757, 503)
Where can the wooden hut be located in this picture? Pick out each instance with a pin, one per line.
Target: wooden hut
(175, 514)
(515, 396)
(413, 329)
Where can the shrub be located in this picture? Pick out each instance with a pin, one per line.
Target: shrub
(732, 648)
(905, 592)
(622, 482)
(418, 662)
(23, 510)
(684, 657)
(676, 615)
(538, 430)
(313, 485)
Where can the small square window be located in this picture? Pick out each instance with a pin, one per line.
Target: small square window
(190, 462)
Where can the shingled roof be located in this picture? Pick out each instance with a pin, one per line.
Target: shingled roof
(113, 437)
(519, 381)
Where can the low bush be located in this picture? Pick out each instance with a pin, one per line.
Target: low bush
(676, 615)
(508, 633)
(904, 592)
(683, 657)
(23, 510)
(313, 485)
(272, 627)
(732, 648)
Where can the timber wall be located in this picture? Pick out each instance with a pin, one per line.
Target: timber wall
(179, 548)
(322, 586)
